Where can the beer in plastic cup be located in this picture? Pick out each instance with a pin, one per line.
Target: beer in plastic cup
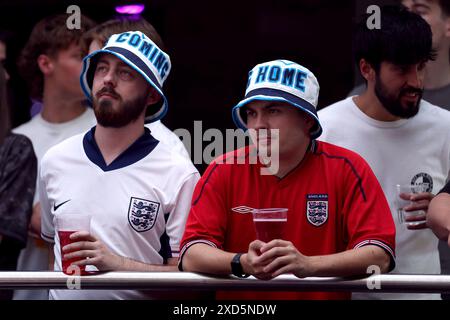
(270, 223)
(66, 224)
(402, 203)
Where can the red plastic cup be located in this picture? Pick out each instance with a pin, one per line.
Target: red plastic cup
(270, 223)
(66, 224)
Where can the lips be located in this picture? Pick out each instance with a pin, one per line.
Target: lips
(107, 95)
(411, 97)
(411, 93)
(107, 92)
(264, 140)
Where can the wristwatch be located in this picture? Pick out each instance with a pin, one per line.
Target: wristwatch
(236, 267)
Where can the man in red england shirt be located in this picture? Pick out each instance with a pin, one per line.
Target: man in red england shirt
(338, 223)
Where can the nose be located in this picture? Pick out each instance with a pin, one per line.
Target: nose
(258, 121)
(110, 78)
(415, 77)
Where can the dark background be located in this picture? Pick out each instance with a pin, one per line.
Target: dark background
(213, 45)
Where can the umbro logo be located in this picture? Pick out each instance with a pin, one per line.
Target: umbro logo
(242, 209)
(55, 206)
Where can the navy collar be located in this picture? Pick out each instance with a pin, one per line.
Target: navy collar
(142, 147)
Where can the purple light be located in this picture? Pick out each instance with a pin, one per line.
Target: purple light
(130, 9)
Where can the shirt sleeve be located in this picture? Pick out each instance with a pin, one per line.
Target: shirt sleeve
(17, 187)
(207, 219)
(47, 226)
(367, 216)
(446, 188)
(176, 219)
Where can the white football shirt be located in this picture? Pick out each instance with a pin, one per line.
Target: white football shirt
(139, 203)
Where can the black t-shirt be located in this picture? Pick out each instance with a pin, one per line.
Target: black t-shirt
(18, 167)
(446, 188)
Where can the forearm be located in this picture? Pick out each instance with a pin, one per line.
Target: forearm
(204, 258)
(51, 257)
(35, 222)
(127, 264)
(438, 216)
(350, 262)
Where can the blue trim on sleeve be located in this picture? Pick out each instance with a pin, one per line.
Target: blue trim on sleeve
(445, 189)
(352, 167)
(165, 252)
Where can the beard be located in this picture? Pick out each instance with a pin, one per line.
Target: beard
(392, 103)
(127, 111)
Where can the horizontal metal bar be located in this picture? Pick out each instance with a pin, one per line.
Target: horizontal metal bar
(197, 282)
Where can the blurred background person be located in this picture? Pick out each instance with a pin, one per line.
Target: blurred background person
(18, 168)
(4, 36)
(51, 64)
(16, 95)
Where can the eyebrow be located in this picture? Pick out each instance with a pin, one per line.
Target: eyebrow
(121, 63)
(422, 3)
(102, 60)
(270, 105)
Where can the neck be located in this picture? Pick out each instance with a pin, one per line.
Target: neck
(59, 108)
(113, 141)
(437, 73)
(369, 103)
(288, 161)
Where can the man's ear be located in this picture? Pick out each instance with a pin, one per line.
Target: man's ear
(309, 121)
(367, 71)
(45, 64)
(153, 96)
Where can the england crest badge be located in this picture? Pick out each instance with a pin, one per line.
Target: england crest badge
(317, 209)
(142, 214)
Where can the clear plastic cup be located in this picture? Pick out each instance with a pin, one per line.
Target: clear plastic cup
(404, 216)
(270, 223)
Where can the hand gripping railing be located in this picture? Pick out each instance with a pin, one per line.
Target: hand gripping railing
(196, 282)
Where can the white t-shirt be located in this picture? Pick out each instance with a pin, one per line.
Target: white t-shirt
(138, 204)
(43, 135)
(168, 137)
(407, 151)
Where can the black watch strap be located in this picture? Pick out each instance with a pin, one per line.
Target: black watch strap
(236, 267)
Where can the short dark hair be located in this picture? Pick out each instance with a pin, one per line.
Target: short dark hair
(445, 7)
(103, 31)
(404, 38)
(49, 36)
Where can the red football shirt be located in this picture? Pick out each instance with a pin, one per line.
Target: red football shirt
(334, 199)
